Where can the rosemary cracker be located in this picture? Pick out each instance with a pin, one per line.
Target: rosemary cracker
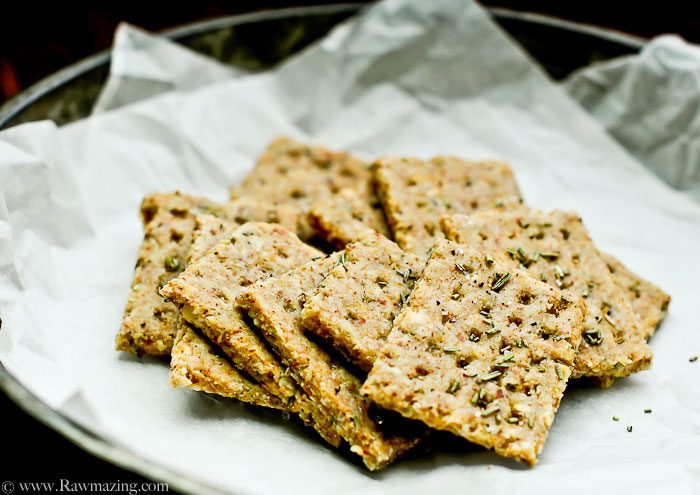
(555, 247)
(337, 220)
(206, 292)
(195, 364)
(275, 307)
(149, 324)
(355, 305)
(415, 194)
(289, 172)
(480, 351)
(648, 301)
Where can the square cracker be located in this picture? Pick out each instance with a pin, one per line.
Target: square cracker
(195, 364)
(556, 248)
(648, 301)
(206, 292)
(275, 307)
(355, 305)
(293, 173)
(481, 352)
(149, 324)
(416, 193)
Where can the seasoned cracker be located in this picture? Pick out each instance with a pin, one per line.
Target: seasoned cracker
(480, 351)
(149, 324)
(415, 194)
(289, 172)
(336, 221)
(275, 307)
(207, 290)
(556, 248)
(355, 305)
(648, 301)
(195, 364)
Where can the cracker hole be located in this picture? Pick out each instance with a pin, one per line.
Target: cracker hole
(515, 319)
(526, 297)
(422, 370)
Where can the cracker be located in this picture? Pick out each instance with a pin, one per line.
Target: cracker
(196, 365)
(480, 351)
(336, 221)
(275, 306)
(556, 248)
(355, 305)
(648, 301)
(289, 172)
(415, 194)
(206, 292)
(149, 324)
(194, 362)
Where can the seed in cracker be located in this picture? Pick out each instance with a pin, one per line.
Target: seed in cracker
(415, 194)
(275, 307)
(509, 409)
(614, 344)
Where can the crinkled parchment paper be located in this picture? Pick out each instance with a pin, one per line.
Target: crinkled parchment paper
(406, 77)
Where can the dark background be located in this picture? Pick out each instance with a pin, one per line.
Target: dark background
(37, 40)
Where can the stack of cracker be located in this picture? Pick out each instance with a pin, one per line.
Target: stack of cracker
(377, 302)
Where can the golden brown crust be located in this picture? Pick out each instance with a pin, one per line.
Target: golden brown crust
(275, 307)
(355, 305)
(292, 173)
(556, 247)
(648, 301)
(480, 351)
(196, 365)
(415, 194)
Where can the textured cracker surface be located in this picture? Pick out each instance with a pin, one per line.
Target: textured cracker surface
(195, 364)
(415, 194)
(488, 365)
(292, 173)
(275, 307)
(355, 305)
(337, 220)
(207, 291)
(149, 324)
(648, 301)
(613, 342)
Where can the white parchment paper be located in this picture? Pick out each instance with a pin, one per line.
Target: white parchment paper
(407, 77)
(650, 103)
